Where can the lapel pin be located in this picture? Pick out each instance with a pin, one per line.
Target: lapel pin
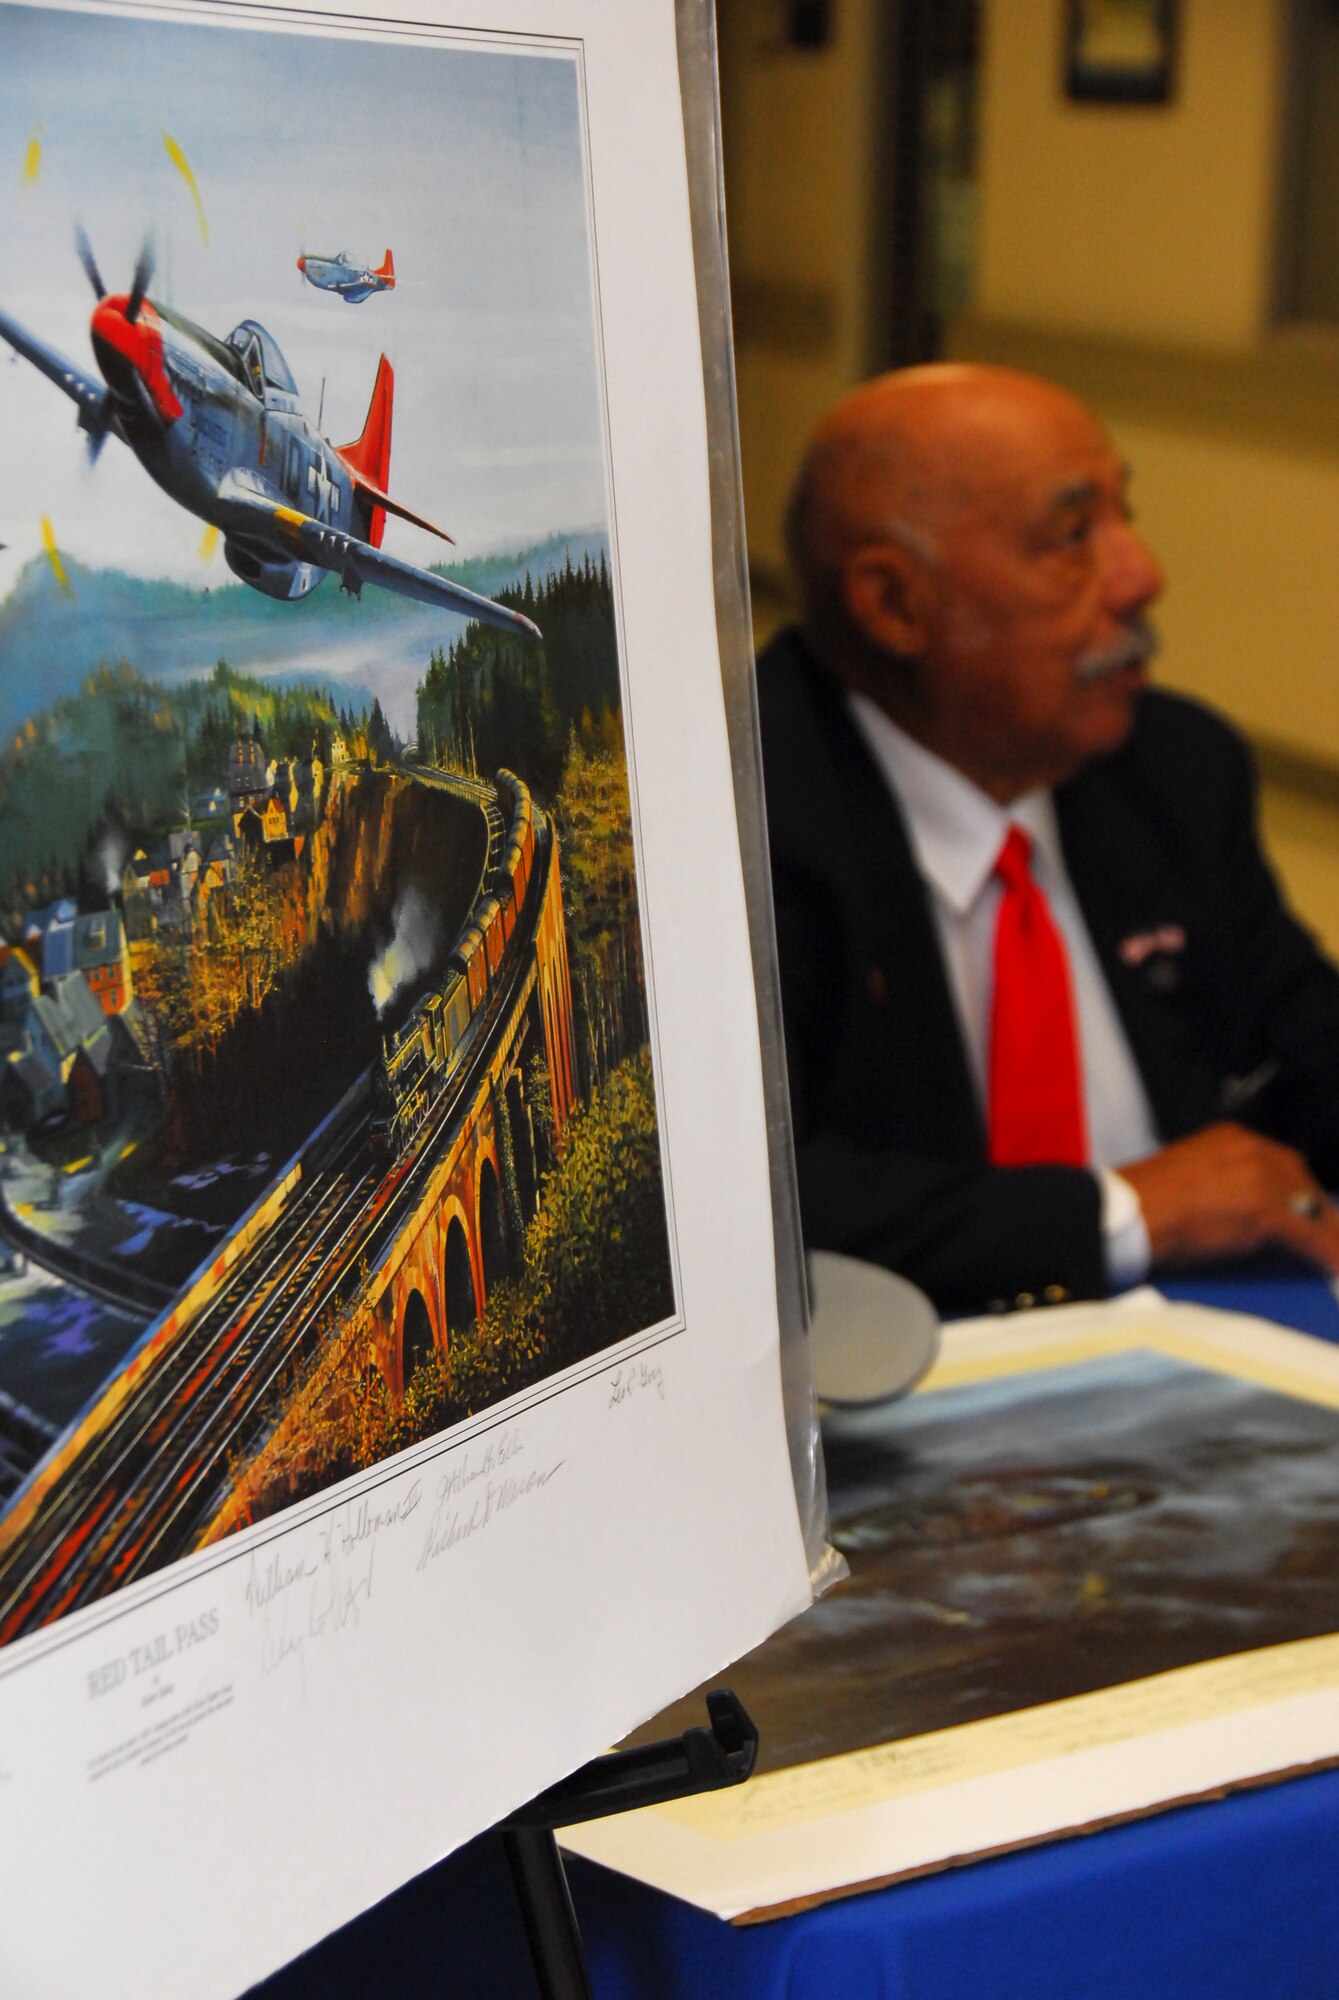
(1161, 942)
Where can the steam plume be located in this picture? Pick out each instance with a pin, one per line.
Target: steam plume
(112, 855)
(410, 952)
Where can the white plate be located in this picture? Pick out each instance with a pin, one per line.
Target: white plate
(872, 1335)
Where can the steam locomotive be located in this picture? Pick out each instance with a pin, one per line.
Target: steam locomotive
(420, 1056)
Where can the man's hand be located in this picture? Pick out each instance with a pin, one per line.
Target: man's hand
(1225, 1191)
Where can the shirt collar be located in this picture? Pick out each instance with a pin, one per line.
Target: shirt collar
(956, 830)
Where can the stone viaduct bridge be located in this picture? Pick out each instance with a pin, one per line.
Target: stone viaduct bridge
(481, 1188)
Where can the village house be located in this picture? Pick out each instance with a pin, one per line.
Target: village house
(217, 871)
(63, 1055)
(48, 935)
(102, 954)
(284, 786)
(261, 824)
(248, 777)
(212, 804)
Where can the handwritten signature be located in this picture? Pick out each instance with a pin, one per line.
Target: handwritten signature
(451, 1525)
(318, 1591)
(265, 1582)
(637, 1378)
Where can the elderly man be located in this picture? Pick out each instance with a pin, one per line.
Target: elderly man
(1049, 1024)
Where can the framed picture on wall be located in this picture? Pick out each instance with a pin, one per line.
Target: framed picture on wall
(1120, 51)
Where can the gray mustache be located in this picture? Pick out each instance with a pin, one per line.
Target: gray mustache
(1135, 645)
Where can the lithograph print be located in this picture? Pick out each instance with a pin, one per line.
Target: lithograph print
(1093, 1570)
(1040, 1536)
(327, 1115)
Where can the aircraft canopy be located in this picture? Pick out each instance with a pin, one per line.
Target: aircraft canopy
(251, 337)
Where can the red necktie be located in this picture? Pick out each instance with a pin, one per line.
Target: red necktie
(1035, 1091)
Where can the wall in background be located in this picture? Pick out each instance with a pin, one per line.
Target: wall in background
(1149, 221)
(804, 133)
(1132, 253)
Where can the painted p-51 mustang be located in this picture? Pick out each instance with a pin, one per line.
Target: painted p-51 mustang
(351, 282)
(216, 424)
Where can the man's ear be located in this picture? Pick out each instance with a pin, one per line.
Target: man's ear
(886, 594)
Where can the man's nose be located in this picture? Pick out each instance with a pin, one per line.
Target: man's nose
(1134, 576)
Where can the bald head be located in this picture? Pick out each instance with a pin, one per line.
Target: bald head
(899, 458)
(964, 548)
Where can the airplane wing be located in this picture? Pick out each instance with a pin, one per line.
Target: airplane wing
(357, 563)
(92, 396)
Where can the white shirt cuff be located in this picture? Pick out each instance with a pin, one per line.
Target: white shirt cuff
(1124, 1235)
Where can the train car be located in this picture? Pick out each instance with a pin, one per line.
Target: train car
(434, 1041)
(515, 869)
(383, 1121)
(526, 828)
(456, 1010)
(519, 853)
(400, 1087)
(471, 960)
(490, 915)
(508, 902)
(418, 1057)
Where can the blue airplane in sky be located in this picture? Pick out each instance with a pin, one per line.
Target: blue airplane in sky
(351, 282)
(216, 424)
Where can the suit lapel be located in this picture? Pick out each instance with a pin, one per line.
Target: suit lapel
(924, 1071)
(1148, 935)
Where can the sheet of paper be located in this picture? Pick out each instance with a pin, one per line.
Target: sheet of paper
(1137, 1485)
(400, 1101)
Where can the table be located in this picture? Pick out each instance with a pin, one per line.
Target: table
(1270, 1284)
(1239, 1896)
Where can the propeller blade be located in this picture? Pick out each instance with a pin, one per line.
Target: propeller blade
(146, 403)
(96, 423)
(89, 261)
(140, 284)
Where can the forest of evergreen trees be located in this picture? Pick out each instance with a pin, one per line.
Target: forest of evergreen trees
(494, 698)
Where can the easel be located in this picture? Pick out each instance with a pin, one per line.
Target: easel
(701, 1760)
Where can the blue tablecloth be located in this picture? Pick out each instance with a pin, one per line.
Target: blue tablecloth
(1276, 1287)
(1236, 1897)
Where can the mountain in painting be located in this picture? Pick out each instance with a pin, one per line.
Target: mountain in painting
(52, 637)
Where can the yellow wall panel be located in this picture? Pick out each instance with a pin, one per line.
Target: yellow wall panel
(1151, 222)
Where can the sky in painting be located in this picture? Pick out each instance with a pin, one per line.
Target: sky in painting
(465, 160)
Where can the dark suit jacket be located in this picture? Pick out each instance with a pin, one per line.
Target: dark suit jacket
(1242, 1022)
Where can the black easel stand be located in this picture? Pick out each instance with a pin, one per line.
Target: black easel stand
(701, 1760)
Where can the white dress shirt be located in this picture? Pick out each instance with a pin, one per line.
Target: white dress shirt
(956, 833)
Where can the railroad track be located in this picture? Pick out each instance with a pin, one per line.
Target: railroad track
(38, 1573)
(147, 1484)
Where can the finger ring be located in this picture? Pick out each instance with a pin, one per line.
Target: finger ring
(1309, 1206)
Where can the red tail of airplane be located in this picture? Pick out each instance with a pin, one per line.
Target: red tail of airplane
(369, 456)
(387, 270)
(368, 459)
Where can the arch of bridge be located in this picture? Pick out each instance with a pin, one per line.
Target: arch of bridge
(460, 1296)
(446, 1261)
(418, 1335)
(494, 1253)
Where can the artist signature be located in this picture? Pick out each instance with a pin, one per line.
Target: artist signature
(638, 1378)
